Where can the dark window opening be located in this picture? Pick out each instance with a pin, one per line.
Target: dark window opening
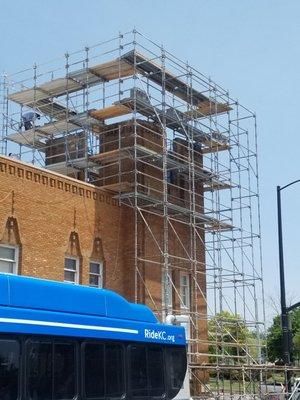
(50, 371)
(156, 372)
(39, 371)
(9, 369)
(147, 371)
(94, 371)
(114, 370)
(176, 365)
(64, 371)
(138, 371)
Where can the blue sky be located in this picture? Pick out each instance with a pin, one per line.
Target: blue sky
(250, 47)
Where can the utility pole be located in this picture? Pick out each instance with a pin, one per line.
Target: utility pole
(284, 309)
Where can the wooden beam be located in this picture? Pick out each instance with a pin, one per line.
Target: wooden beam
(206, 108)
(214, 148)
(113, 111)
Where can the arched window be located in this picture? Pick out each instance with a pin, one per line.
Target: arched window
(72, 260)
(96, 265)
(10, 246)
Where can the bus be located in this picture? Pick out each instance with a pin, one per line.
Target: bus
(60, 341)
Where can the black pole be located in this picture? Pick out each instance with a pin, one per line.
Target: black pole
(284, 311)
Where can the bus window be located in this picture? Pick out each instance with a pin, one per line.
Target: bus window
(39, 370)
(50, 370)
(9, 369)
(64, 371)
(176, 367)
(156, 372)
(114, 370)
(138, 371)
(93, 370)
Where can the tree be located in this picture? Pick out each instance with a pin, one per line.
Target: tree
(229, 336)
(274, 337)
(231, 342)
(274, 341)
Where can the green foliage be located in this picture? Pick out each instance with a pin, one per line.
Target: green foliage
(274, 340)
(229, 336)
(296, 343)
(274, 337)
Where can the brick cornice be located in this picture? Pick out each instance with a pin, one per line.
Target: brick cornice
(28, 172)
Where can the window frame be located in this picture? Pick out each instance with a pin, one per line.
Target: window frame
(124, 373)
(52, 340)
(147, 346)
(16, 259)
(13, 338)
(186, 287)
(76, 271)
(104, 343)
(83, 369)
(100, 275)
(169, 353)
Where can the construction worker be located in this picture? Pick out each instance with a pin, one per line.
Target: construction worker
(28, 119)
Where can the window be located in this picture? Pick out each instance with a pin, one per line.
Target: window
(156, 372)
(171, 177)
(50, 370)
(94, 370)
(96, 274)
(103, 371)
(64, 371)
(138, 371)
(9, 259)
(39, 371)
(71, 270)
(176, 367)
(9, 369)
(184, 291)
(147, 372)
(114, 370)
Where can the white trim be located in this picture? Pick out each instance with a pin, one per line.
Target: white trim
(186, 288)
(65, 325)
(76, 271)
(15, 261)
(99, 275)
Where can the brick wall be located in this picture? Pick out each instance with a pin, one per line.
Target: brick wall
(47, 208)
(42, 211)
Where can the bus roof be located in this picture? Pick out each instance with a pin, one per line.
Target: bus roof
(38, 294)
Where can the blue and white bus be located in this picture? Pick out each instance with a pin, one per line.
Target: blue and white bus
(61, 342)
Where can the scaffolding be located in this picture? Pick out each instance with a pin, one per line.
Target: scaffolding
(180, 154)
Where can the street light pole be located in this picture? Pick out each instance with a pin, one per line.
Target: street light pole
(284, 309)
(284, 313)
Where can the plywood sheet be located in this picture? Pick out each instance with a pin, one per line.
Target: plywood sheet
(214, 148)
(113, 70)
(53, 88)
(57, 127)
(216, 225)
(216, 185)
(28, 96)
(110, 112)
(26, 138)
(30, 136)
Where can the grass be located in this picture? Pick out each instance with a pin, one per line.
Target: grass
(234, 386)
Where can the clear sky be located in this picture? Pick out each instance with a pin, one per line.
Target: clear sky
(250, 47)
